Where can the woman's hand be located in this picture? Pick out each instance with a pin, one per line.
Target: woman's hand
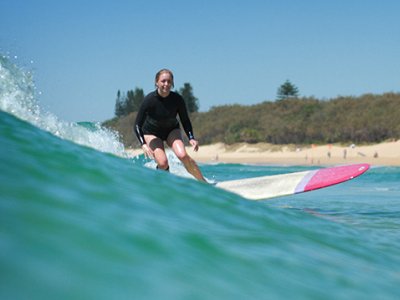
(195, 144)
(147, 151)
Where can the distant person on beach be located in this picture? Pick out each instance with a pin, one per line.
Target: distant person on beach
(156, 123)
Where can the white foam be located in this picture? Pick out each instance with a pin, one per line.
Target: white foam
(175, 165)
(18, 97)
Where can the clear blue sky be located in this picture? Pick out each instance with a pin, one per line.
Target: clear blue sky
(83, 52)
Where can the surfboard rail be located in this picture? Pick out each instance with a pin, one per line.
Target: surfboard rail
(266, 187)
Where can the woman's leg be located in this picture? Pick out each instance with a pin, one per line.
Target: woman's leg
(157, 145)
(176, 143)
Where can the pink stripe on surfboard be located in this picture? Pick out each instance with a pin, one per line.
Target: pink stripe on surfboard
(303, 183)
(330, 176)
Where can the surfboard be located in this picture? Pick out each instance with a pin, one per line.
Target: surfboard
(266, 187)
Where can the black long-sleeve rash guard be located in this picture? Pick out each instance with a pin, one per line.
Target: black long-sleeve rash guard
(157, 116)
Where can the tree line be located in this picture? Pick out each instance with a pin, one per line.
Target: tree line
(365, 119)
(290, 119)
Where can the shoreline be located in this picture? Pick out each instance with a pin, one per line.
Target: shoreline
(382, 154)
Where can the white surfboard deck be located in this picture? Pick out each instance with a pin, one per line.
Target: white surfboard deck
(266, 187)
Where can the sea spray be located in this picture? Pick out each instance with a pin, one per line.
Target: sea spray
(18, 97)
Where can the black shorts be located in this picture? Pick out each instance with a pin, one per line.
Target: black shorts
(162, 133)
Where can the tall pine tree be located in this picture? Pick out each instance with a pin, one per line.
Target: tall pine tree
(187, 94)
(119, 105)
(134, 99)
(287, 90)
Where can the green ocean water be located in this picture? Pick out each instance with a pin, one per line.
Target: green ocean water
(80, 221)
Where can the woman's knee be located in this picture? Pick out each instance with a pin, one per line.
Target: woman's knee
(182, 154)
(162, 163)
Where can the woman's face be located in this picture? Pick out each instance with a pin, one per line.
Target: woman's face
(164, 84)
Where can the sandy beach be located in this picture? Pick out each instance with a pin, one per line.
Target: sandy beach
(384, 154)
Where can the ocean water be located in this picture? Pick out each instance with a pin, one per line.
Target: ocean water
(79, 220)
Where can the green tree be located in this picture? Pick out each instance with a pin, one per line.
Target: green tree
(191, 101)
(287, 90)
(119, 105)
(133, 100)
